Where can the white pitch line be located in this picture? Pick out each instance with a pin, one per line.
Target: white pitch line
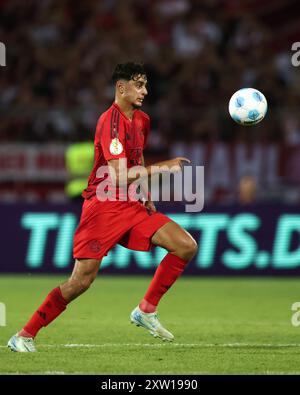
(61, 373)
(49, 372)
(208, 345)
(159, 345)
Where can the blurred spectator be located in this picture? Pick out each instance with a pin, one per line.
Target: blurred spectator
(247, 190)
(79, 163)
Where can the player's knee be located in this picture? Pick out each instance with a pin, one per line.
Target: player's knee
(188, 248)
(192, 248)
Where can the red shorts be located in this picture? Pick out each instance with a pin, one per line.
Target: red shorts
(104, 224)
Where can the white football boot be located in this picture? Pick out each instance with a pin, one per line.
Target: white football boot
(150, 322)
(21, 344)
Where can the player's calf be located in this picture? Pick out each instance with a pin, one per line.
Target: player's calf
(84, 273)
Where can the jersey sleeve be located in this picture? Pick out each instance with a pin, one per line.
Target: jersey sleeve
(111, 135)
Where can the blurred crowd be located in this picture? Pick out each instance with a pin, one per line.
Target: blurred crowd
(61, 54)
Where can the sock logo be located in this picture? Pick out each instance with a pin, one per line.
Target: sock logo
(42, 314)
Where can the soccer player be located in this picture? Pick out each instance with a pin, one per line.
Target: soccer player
(121, 136)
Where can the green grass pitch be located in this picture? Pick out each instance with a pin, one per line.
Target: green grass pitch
(221, 326)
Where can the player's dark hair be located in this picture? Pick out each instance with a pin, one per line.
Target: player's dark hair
(128, 71)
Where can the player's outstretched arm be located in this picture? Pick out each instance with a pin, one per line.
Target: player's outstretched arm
(171, 165)
(120, 175)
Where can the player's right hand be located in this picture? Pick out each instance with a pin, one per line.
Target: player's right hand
(176, 164)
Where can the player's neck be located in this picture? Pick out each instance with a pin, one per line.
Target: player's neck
(126, 108)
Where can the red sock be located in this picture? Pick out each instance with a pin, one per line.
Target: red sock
(53, 306)
(166, 274)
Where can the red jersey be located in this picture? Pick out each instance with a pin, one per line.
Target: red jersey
(117, 137)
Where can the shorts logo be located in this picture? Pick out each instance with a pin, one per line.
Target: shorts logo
(116, 147)
(94, 245)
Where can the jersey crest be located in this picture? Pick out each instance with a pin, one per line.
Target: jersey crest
(116, 147)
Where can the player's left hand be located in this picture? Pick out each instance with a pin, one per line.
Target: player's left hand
(150, 206)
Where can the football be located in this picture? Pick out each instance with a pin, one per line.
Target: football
(248, 106)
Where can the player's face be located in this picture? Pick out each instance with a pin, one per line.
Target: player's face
(135, 91)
